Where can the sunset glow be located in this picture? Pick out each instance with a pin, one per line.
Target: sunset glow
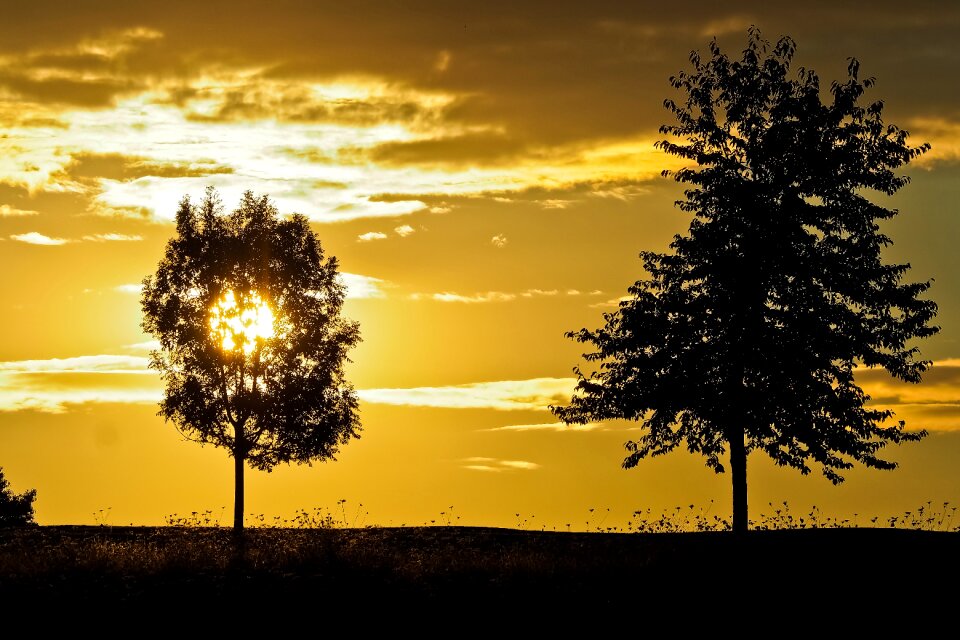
(243, 322)
(485, 176)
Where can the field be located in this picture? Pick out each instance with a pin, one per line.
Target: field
(363, 578)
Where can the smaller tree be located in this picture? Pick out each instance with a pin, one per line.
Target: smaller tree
(246, 309)
(15, 510)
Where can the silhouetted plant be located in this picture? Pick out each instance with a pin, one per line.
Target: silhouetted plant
(252, 344)
(15, 509)
(747, 336)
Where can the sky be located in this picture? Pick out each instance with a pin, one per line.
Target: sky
(486, 177)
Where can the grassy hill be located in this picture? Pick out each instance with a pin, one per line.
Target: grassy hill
(479, 576)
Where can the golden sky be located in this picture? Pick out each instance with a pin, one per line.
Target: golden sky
(485, 175)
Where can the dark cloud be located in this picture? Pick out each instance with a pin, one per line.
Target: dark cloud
(453, 151)
(938, 395)
(72, 61)
(622, 190)
(44, 123)
(552, 72)
(292, 103)
(116, 166)
(84, 93)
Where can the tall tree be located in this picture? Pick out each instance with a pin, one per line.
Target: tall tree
(252, 345)
(747, 336)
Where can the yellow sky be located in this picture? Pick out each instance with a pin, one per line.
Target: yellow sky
(486, 177)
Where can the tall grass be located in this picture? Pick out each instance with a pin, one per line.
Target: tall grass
(689, 518)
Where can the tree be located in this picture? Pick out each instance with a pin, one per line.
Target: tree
(747, 336)
(15, 510)
(252, 345)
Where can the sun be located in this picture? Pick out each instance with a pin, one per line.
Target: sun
(241, 322)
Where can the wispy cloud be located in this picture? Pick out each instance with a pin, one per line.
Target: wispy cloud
(112, 237)
(477, 298)
(404, 230)
(148, 345)
(612, 303)
(359, 287)
(80, 364)
(496, 465)
(131, 288)
(549, 426)
(370, 236)
(33, 237)
(503, 395)
(8, 211)
(529, 293)
(499, 241)
(489, 296)
(942, 134)
(53, 385)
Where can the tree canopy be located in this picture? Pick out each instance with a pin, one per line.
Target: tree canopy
(747, 336)
(15, 509)
(246, 309)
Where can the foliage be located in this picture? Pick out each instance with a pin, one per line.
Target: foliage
(748, 335)
(15, 509)
(252, 345)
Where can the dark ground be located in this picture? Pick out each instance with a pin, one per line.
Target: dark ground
(456, 580)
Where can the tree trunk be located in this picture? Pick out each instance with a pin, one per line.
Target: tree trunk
(239, 456)
(738, 472)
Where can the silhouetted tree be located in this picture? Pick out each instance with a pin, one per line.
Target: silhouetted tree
(252, 344)
(747, 336)
(15, 510)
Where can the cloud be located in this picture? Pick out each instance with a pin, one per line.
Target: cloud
(495, 465)
(111, 237)
(503, 395)
(613, 302)
(443, 61)
(730, 24)
(87, 93)
(549, 426)
(361, 287)
(148, 345)
(38, 238)
(941, 385)
(119, 166)
(91, 72)
(361, 101)
(933, 404)
(499, 241)
(370, 236)
(53, 385)
(404, 230)
(478, 298)
(942, 134)
(572, 292)
(459, 151)
(80, 364)
(489, 296)
(8, 211)
(129, 288)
